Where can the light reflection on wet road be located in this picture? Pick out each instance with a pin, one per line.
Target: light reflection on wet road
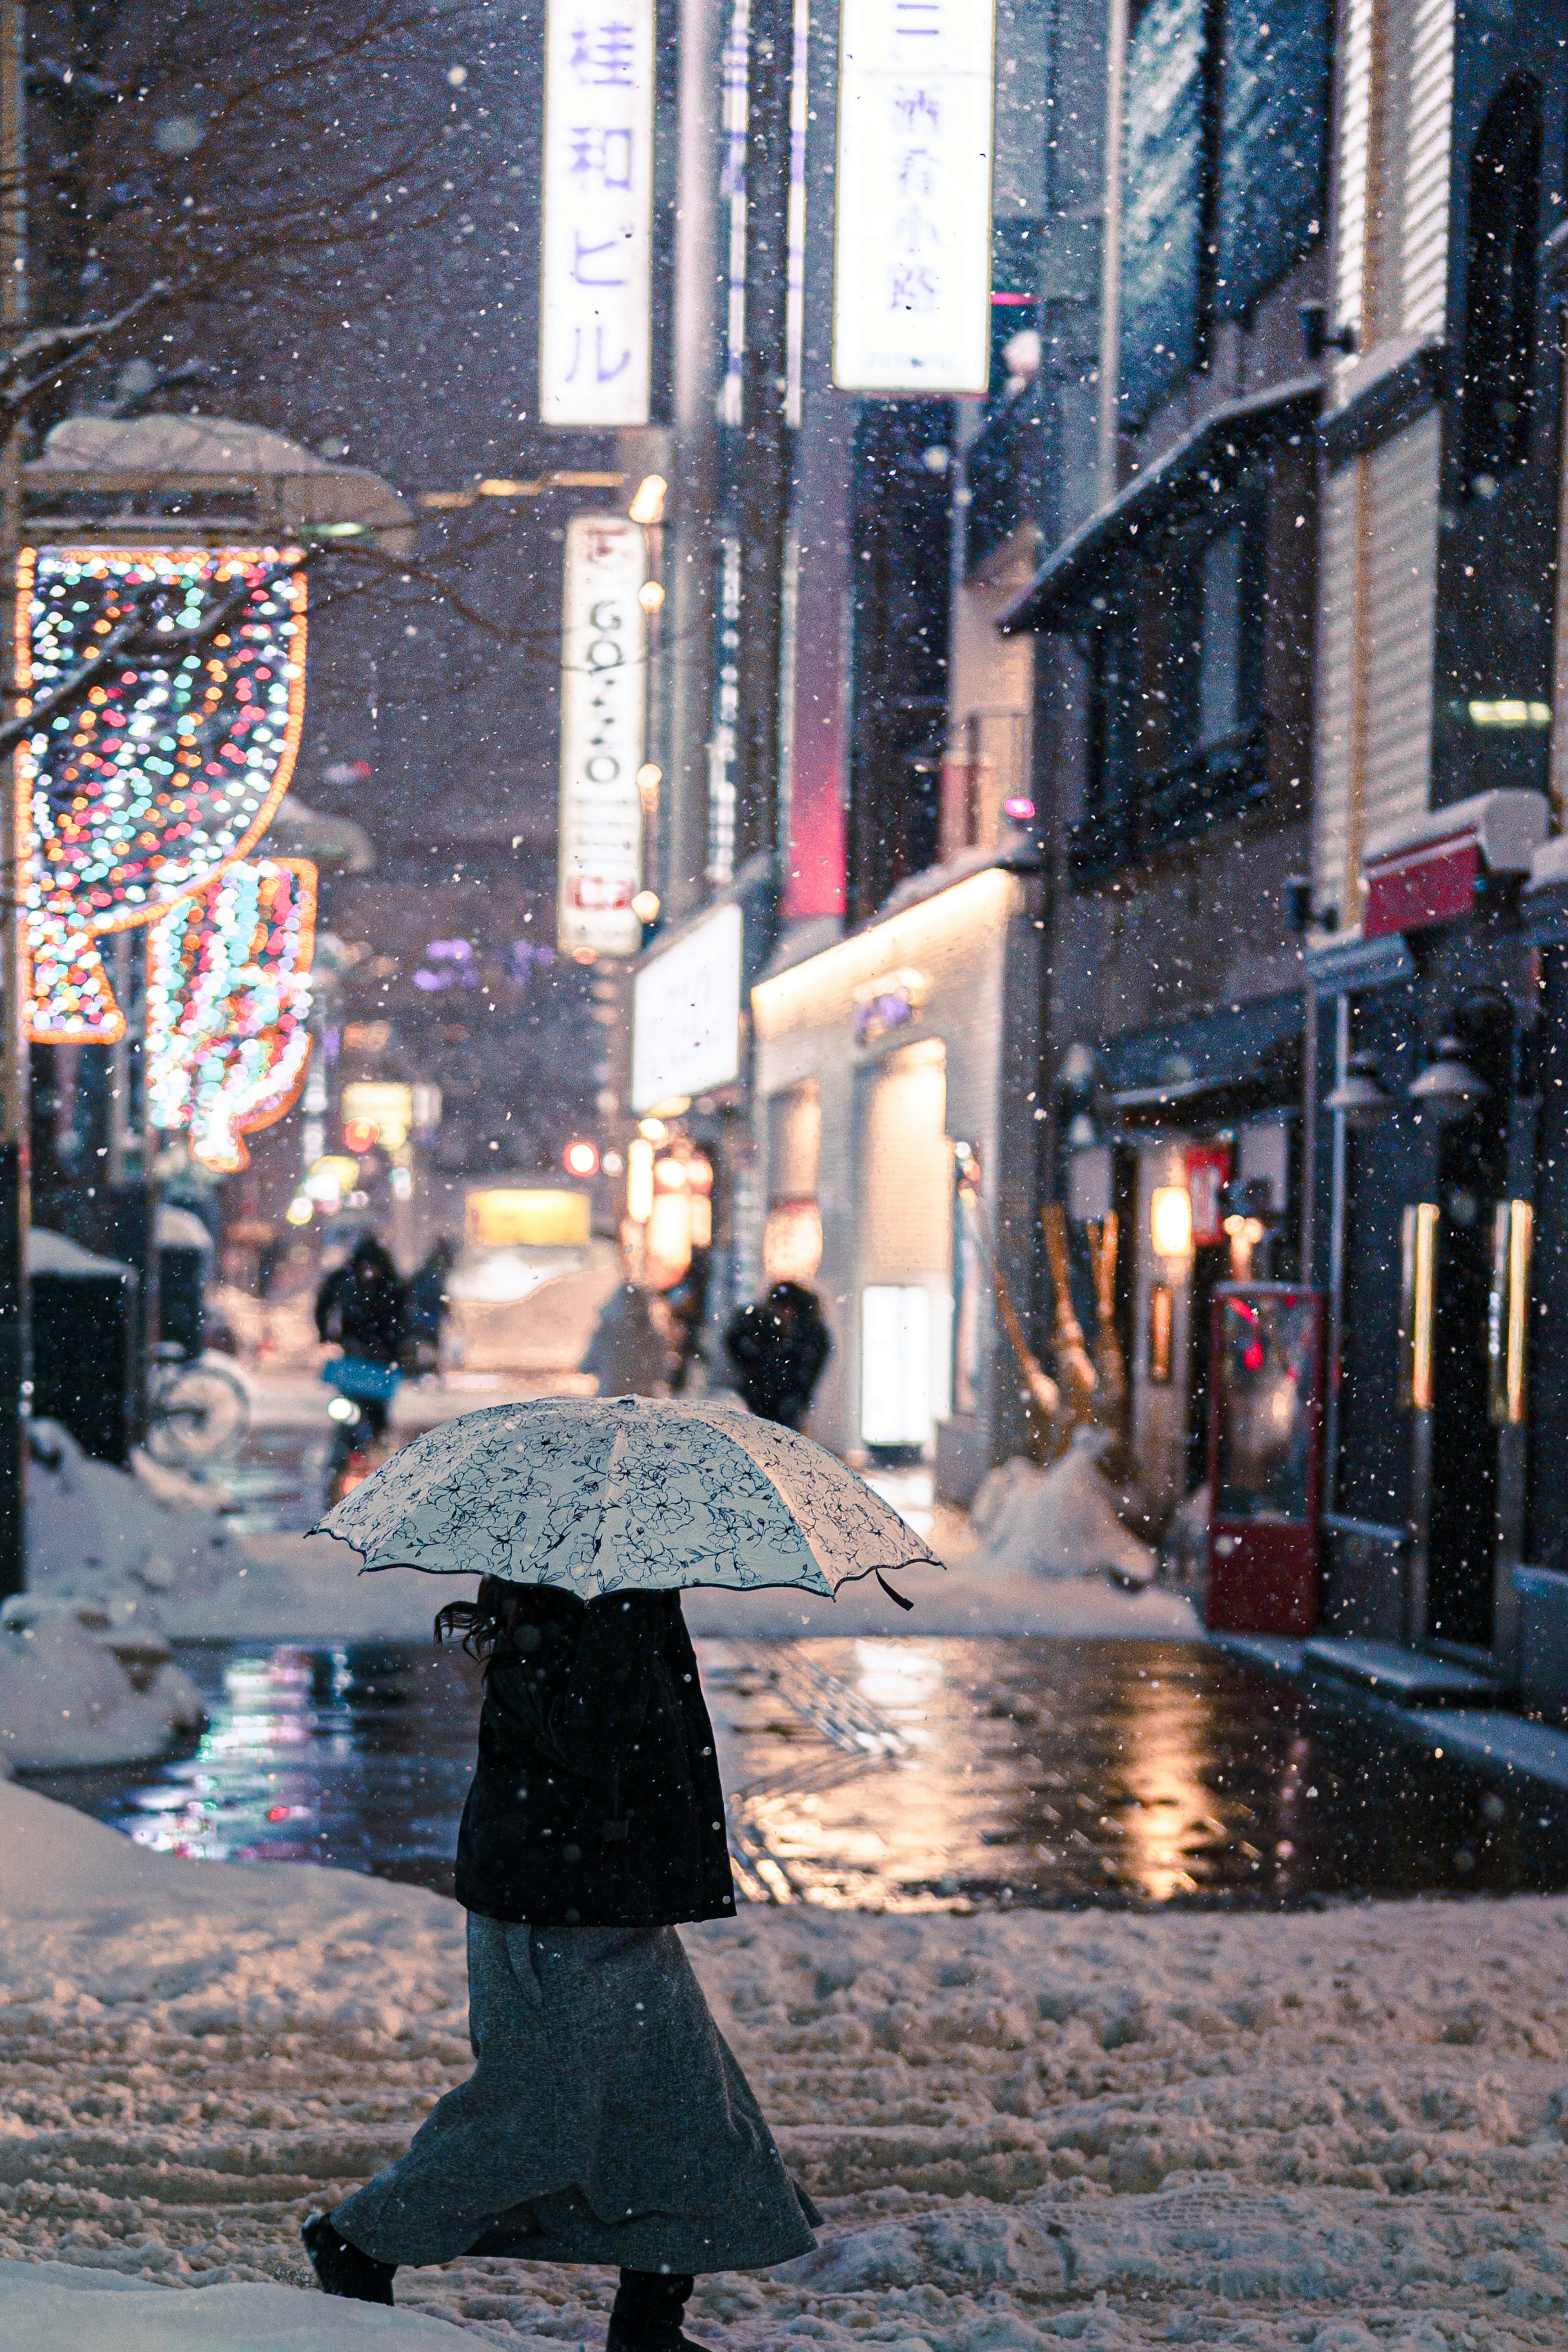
(889, 1773)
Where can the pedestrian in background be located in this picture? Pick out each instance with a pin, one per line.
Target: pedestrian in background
(430, 1303)
(778, 1346)
(628, 1355)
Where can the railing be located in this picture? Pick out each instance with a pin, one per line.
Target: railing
(1174, 804)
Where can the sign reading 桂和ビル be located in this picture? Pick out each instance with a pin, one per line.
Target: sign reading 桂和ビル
(912, 225)
(603, 716)
(596, 237)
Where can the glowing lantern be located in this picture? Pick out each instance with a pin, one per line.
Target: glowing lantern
(171, 767)
(228, 1000)
(1171, 1221)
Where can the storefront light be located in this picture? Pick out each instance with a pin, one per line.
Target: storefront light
(640, 1179)
(1171, 1221)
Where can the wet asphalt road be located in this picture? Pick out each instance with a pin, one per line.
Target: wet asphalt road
(899, 1774)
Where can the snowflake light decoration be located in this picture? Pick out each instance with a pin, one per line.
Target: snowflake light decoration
(170, 768)
(227, 1000)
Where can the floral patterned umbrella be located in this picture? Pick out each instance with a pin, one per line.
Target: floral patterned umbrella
(619, 1495)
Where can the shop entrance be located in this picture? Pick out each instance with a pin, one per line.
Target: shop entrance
(1457, 1450)
(905, 1255)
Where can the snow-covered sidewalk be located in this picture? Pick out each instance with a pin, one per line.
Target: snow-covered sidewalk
(1341, 2130)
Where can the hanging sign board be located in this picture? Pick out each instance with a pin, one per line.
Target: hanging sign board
(913, 223)
(686, 1014)
(602, 713)
(596, 240)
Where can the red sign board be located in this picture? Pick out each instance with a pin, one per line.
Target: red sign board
(1433, 884)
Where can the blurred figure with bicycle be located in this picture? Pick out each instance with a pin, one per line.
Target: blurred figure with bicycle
(364, 1306)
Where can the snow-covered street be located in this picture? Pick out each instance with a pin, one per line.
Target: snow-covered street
(1339, 2129)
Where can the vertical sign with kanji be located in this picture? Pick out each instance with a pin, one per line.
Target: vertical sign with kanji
(604, 688)
(597, 243)
(911, 306)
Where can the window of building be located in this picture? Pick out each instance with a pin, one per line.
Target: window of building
(1162, 202)
(1273, 150)
(1176, 701)
(1222, 176)
(1500, 286)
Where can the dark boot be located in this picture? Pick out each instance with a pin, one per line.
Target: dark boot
(647, 2311)
(341, 2268)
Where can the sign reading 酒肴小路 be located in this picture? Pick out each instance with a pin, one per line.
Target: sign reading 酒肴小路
(912, 224)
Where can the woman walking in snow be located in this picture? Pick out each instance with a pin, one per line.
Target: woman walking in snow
(607, 2120)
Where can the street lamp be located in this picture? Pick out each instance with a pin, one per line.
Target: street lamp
(1448, 1087)
(1360, 1099)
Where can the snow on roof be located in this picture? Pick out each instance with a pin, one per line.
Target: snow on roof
(181, 1229)
(175, 444)
(50, 1253)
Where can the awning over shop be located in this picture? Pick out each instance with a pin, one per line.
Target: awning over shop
(1183, 484)
(1218, 1067)
(1424, 870)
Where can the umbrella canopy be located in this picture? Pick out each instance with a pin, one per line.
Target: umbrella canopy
(621, 1494)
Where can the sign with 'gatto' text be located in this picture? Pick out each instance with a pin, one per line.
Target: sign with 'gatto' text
(604, 696)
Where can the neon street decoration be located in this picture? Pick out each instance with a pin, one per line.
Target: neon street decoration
(911, 309)
(228, 1000)
(136, 796)
(597, 243)
(603, 719)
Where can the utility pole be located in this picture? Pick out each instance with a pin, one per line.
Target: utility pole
(764, 487)
(690, 524)
(16, 1106)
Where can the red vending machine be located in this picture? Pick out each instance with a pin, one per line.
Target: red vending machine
(1266, 1458)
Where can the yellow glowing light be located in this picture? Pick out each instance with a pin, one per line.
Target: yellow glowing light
(648, 506)
(640, 1179)
(654, 1130)
(1171, 1221)
(650, 595)
(644, 905)
(529, 1219)
(300, 1208)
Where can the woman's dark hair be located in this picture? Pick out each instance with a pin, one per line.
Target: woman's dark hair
(487, 1622)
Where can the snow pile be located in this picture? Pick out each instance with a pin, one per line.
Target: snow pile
(1339, 2131)
(1060, 1522)
(90, 1519)
(89, 1680)
(43, 2306)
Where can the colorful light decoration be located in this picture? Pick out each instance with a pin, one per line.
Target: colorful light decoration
(133, 799)
(228, 1001)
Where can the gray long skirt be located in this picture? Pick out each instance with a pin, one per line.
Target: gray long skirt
(607, 2121)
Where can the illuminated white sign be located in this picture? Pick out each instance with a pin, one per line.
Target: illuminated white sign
(603, 705)
(913, 227)
(596, 239)
(686, 1014)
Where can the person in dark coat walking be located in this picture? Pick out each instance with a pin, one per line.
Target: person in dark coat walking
(607, 2120)
(364, 1305)
(778, 1346)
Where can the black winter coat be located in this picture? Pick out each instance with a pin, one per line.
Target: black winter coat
(596, 1802)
